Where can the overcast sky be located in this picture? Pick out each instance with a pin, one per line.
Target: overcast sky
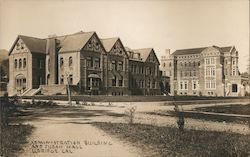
(169, 24)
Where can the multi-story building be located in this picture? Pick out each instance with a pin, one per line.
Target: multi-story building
(88, 64)
(206, 71)
(144, 74)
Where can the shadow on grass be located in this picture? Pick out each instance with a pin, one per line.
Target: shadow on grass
(168, 141)
(230, 109)
(204, 116)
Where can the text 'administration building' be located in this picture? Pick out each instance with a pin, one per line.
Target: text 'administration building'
(90, 65)
(207, 71)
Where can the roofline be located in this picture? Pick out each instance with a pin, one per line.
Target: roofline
(69, 34)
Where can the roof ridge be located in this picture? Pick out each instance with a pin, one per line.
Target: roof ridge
(30, 37)
(109, 38)
(143, 48)
(77, 33)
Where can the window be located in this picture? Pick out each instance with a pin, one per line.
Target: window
(210, 84)
(70, 61)
(181, 73)
(185, 64)
(149, 83)
(20, 63)
(48, 64)
(234, 88)
(89, 62)
(121, 81)
(234, 72)
(114, 81)
(181, 64)
(61, 62)
(62, 79)
(199, 63)
(185, 85)
(194, 73)
(70, 79)
(24, 63)
(120, 66)
(114, 65)
(170, 64)
(164, 64)
(194, 64)
(97, 62)
(153, 84)
(194, 85)
(15, 63)
(170, 73)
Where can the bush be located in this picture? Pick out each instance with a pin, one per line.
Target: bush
(130, 114)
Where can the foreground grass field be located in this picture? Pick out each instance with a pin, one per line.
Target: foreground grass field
(230, 109)
(13, 134)
(167, 141)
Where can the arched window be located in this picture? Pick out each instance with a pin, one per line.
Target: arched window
(70, 61)
(199, 64)
(20, 63)
(15, 63)
(24, 63)
(185, 64)
(61, 62)
(62, 79)
(70, 79)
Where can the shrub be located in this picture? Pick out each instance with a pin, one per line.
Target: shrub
(130, 114)
(180, 116)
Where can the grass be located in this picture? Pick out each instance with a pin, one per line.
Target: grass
(168, 141)
(13, 134)
(230, 109)
(204, 116)
(13, 137)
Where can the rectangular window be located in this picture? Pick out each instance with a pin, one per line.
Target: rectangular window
(121, 82)
(194, 85)
(120, 66)
(234, 88)
(114, 81)
(89, 62)
(114, 65)
(97, 63)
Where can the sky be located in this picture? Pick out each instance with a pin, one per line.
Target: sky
(160, 24)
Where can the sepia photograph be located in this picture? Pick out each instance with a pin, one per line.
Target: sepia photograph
(124, 78)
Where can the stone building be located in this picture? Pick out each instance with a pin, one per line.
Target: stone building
(82, 61)
(206, 71)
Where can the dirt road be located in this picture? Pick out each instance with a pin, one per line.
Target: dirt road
(58, 137)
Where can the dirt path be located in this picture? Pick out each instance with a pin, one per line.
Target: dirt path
(83, 139)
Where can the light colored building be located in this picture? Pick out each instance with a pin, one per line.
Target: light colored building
(206, 71)
(88, 64)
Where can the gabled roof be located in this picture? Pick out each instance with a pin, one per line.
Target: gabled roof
(199, 50)
(144, 53)
(108, 43)
(189, 51)
(226, 49)
(75, 42)
(35, 45)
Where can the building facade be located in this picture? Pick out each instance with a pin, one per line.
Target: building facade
(207, 71)
(82, 61)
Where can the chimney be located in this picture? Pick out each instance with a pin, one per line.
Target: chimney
(167, 53)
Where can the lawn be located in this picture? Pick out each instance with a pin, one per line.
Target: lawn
(168, 141)
(13, 134)
(230, 109)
